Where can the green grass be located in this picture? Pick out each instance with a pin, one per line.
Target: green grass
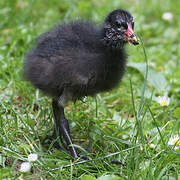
(121, 124)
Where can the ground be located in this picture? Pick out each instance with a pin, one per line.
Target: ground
(129, 124)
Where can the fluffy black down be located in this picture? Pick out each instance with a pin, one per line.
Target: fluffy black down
(74, 57)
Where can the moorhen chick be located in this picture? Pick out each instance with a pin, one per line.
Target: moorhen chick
(79, 59)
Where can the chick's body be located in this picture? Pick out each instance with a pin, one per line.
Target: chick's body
(74, 57)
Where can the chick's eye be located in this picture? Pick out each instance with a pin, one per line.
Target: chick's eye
(118, 24)
(122, 26)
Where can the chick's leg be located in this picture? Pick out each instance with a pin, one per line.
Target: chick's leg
(62, 125)
(57, 132)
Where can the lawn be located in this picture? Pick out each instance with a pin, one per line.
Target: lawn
(128, 124)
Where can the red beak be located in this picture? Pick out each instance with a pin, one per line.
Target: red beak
(130, 36)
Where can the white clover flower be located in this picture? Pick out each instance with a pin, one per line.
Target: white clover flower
(167, 16)
(174, 141)
(25, 167)
(73, 124)
(32, 157)
(152, 146)
(163, 100)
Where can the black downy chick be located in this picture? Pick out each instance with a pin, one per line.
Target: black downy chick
(79, 59)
